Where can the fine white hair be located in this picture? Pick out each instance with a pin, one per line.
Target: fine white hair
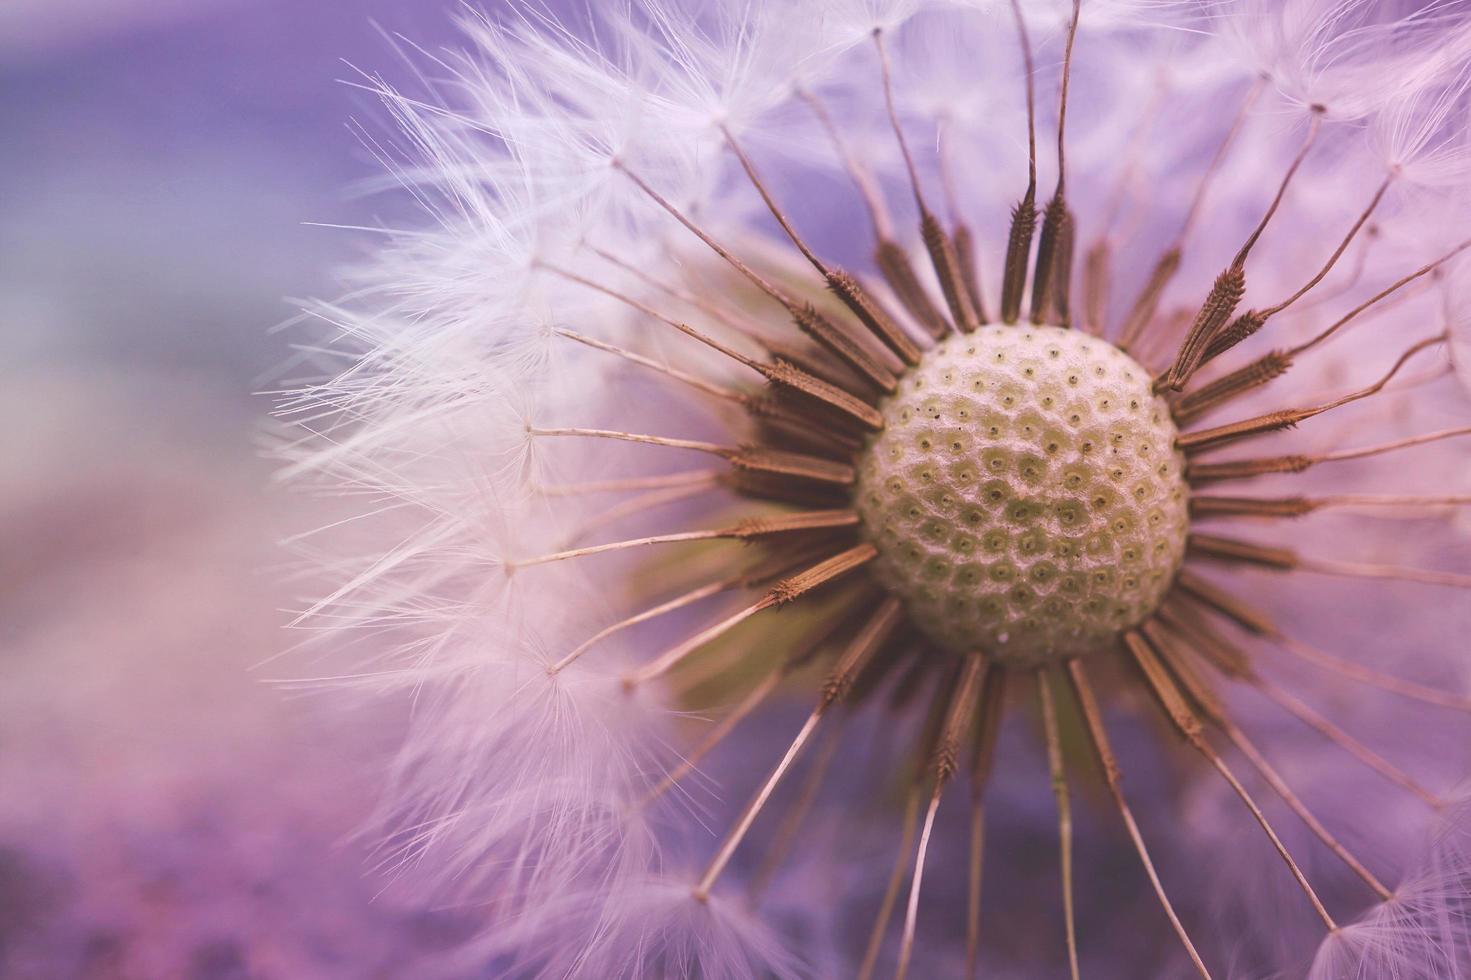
(521, 782)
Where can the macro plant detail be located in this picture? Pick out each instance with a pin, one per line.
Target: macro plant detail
(968, 472)
(1024, 495)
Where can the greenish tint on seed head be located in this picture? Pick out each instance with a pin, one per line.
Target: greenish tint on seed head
(1025, 495)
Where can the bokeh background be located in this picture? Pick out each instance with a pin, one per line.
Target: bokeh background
(176, 177)
(168, 811)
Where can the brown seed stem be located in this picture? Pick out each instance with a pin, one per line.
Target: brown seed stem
(1062, 282)
(784, 591)
(1285, 559)
(973, 888)
(1053, 271)
(753, 809)
(1024, 215)
(983, 756)
(943, 764)
(896, 880)
(1229, 549)
(1200, 473)
(755, 278)
(862, 647)
(970, 267)
(787, 832)
(745, 328)
(1337, 253)
(1219, 304)
(1382, 571)
(1062, 101)
(1282, 789)
(1379, 296)
(1053, 739)
(802, 426)
(805, 316)
(1365, 755)
(1173, 701)
(892, 260)
(1230, 285)
(1097, 272)
(887, 79)
(830, 396)
(753, 458)
(1232, 607)
(1098, 736)
(1241, 469)
(863, 179)
(1261, 819)
(945, 259)
(718, 733)
(644, 308)
(898, 272)
(680, 479)
(1265, 369)
(1203, 440)
(1356, 274)
(961, 260)
(777, 462)
(1373, 678)
(1056, 233)
(844, 286)
(1385, 447)
(1028, 71)
(746, 530)
(785, 373)
(1018, 251)
(911, 915)
(714, 449)
(678, 602)
(684, 377)
(637, 505)
(1142, 313)
(1307, 144)
(762, 573)
(852, 661)
(937, 243)
(839, 342)
(1169, 646)
(771, 205)
(1207, 506)
(873, 315)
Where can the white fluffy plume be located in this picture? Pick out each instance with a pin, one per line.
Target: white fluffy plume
(544, 162)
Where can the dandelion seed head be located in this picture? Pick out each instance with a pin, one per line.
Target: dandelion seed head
(739, 456)
(1025, 494)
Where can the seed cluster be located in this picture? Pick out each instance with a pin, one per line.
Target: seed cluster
(1025, 494)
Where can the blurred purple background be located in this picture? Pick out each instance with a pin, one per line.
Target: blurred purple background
(159, 163)
(166, 811)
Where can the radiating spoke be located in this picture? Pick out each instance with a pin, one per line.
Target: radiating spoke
(1053, 739)
(1083, 692)
(850, 663)
(959, 713)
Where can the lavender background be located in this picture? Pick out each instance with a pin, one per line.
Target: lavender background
(166, 812)
(159, 163)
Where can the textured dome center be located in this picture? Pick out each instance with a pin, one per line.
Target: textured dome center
(1025, 494)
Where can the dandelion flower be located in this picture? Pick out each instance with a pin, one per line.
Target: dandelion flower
(923, 366)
